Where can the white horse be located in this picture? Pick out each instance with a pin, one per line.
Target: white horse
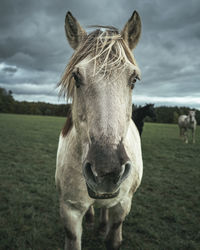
(99, 159)
(186, 122)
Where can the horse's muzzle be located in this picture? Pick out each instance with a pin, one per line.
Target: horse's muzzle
(95, 195)
(105, 186)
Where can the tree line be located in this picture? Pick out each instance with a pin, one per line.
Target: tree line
(8, 104)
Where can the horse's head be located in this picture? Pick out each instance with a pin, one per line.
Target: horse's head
(99, 79)
(192, 116)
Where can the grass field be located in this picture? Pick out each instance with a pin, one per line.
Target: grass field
(166, 208)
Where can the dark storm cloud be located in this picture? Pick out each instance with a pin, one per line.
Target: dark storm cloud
(32, 89)
(10, 69)
(34, 50)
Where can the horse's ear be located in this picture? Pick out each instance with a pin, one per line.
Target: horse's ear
(132, 30)
(74, 32)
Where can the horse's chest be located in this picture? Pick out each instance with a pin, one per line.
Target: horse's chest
(189, 124)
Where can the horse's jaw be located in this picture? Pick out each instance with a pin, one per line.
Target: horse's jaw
(95, 195)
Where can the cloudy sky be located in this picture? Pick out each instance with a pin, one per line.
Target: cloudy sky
(34, 50)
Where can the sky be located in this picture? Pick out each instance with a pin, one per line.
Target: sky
(34, 50)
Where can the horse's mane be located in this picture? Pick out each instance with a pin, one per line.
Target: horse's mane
(108, 50)
(68, 123)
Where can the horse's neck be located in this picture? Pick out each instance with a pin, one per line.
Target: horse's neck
(189, 123)
(142, 114)
(188, 118)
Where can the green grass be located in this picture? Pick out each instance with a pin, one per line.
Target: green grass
(166, 208)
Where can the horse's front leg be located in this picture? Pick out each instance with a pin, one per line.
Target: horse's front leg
(193, 135)
(72, 218)
(117, 215)
(103, 222)
(89, 217)
(185, 136)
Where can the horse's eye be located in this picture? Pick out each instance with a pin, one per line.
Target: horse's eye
(132, 80)
(78, 78)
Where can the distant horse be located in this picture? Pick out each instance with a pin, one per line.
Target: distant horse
(186, 122)
(139, 114)
(99, 160)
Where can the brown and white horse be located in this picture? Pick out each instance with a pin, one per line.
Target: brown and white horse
(99, 159)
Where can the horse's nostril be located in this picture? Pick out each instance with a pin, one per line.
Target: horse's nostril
(127, 168)
(125, 172)
(89, 173)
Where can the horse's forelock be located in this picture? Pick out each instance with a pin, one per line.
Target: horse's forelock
(108, 50)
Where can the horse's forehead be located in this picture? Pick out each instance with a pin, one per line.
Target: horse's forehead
(88, 67)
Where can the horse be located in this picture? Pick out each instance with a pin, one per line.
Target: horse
(186, 122)
(99, 158)
(139, 114)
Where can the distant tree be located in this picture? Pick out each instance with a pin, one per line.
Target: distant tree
(175, 117)
(6, 101)
(198, 116)
(47, 111)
